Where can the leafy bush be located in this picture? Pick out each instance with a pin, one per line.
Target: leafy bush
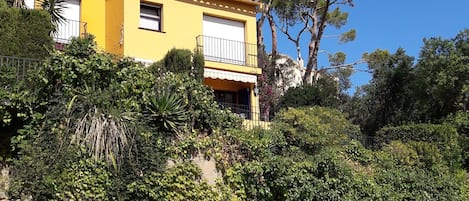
(324, 93)
(18, 100)
(444, 136)
(92, 123)
(25, 33)
(315, 127)
(83, 180)
(84, 97)
(82, 47)
(460, 121)
(204, 112)
(178, 60)
(183, 61)
(181, 182)
(404, 179)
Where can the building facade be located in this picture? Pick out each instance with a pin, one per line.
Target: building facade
(224, 30)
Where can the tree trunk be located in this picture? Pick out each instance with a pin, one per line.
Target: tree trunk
(317, 30)
(273, 29)
(260, 42)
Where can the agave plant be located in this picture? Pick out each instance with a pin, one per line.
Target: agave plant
(166, 112)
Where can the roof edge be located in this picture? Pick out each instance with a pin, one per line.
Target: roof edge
(250, 2)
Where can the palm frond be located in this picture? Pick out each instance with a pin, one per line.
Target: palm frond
(55, 8)
(104, 136)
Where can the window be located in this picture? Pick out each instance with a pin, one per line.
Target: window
(150, 17)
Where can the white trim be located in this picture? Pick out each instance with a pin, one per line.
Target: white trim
(151, 20)
(227, 75)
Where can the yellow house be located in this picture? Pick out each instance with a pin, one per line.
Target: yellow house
(225, 30)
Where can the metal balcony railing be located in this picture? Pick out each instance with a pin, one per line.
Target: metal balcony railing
(242, 110)
(227, 51)
(69, 29)
(251, 115)
(15, 68)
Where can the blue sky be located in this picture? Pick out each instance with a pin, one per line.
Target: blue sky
(384, 24)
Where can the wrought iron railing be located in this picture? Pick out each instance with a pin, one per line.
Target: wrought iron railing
(251, 115)
(69, 29)
(227, 51)
(15, 69)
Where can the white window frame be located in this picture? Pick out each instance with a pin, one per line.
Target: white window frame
(154, 18)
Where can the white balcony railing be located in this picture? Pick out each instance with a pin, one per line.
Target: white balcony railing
(69, 29)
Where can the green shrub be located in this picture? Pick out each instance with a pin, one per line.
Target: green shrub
(324, 93)
(183, 61)
(83, 180)
(313, 128)
(82, 47)
(18, 100)
(25, 33)
(444, 136)
(324, 176)
(84, 97)
(204, 112)
(3, 5)
(178, 60)
(180, 182)
(460, 121)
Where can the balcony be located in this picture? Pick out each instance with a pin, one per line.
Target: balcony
(227, 51)
(67, 30)
(251, 116)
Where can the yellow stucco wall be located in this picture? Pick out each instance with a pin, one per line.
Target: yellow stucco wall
(94, 13)
(233, 67)
(182, 22)
(114, 26)
(115, 23)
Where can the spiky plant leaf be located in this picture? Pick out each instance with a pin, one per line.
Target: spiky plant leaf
(105, 136)
(166, 112)
(55, 8)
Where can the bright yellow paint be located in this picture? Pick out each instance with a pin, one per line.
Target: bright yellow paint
(250, 124)
(233, 67)
(114, 26)
(93, 12)
(115, 23)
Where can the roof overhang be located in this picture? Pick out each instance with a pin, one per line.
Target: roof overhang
(251, 2)
(227, 75)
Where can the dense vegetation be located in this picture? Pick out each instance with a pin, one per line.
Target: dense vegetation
(104, 128)
(24, 32)
(88, 125)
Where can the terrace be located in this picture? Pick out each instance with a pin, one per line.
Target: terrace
(228, 51)
(250, 115)
(67, 30)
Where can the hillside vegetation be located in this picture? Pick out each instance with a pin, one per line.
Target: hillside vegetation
(91, 126)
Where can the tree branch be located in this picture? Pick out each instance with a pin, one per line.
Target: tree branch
(346, 65)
